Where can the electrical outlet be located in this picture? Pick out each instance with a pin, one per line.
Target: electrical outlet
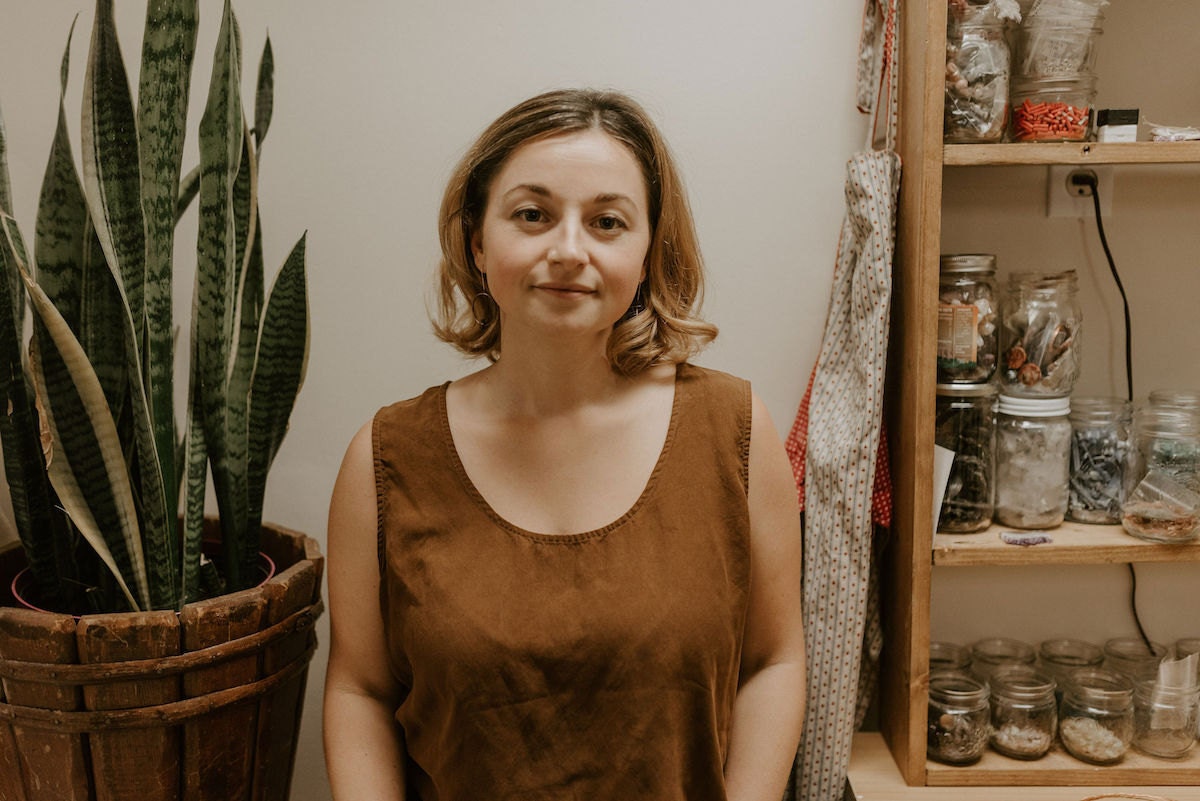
(1066, 199)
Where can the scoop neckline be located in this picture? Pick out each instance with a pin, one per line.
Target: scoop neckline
(573, 538)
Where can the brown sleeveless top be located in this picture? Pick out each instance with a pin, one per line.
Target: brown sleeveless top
(596, 666)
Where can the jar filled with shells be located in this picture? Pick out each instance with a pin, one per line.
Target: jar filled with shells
(968, 308)
(1040, 335)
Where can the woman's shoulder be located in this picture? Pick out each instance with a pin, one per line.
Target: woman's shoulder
(715, 383)
(412, 409)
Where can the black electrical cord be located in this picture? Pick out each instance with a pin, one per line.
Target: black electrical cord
(1089, 179)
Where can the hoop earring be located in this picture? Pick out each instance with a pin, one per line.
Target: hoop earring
(639, 303)
(487, 300)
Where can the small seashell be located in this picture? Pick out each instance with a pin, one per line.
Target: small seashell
(1015, 357)
(1029, 374)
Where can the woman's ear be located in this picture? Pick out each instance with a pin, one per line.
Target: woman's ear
(477, 251)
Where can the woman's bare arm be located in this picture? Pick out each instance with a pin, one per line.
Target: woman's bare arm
(768, 713)
(364, 750)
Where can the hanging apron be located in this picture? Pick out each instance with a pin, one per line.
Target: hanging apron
(836, 442)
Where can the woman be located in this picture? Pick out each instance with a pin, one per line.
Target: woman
(574, 573)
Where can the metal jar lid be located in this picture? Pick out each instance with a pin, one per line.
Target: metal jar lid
(968, 263)
(967, 390)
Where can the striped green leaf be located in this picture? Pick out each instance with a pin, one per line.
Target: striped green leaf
(6, 207)
(168, 49)
(279, 368)
(189, 187)
(62, 219)
(42, 531)
(264, 98)
(85, 463)
(196, 471)
(111, 176)
(216, 314)
(101, 314)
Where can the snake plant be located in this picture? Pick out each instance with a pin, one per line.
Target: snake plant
(91, 428)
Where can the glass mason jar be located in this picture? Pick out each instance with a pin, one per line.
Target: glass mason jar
(1095, 722)
(1164, 719)
(958, 718)
(991, 653)
(1130, 657)
(1033, 452)
(977, 69)
(965, 423)
(948, 656)
(1099, 451)
(1162, 486)
(1052, 109)
(1176, 398)
(1057, 46)
(1060, 658)
(1040, 335)
(968, 309)
(1024, 712)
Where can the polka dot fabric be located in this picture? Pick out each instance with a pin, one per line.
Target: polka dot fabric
(839, 457)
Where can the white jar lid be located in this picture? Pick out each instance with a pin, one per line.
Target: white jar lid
(1034, 407)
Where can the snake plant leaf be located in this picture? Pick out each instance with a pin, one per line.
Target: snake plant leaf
(62, 218)
(42, 531)
(264, 98)
(168, 49)
(279, 369)
(85, 462)
(111, 175)
(5, 182)
(102, 313)
(196, 471)
(216, 307)
(189, 187)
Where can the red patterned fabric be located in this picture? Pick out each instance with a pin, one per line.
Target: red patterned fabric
(797, 449)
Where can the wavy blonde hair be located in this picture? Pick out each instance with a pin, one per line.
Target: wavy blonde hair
(663, 324)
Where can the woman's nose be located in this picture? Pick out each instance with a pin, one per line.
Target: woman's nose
(568, 245)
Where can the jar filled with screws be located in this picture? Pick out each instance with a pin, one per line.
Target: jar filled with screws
(967, 318)
(958, 718)
(1164, 719)
(1033, 442)
(977, 71)
(1024, 712)
(1095, 722)
(948, 656)
(1059, 658)
(992, 653)
(966, 424)
(1133, 657)
(1099, 452)
(1040, 335)
(1162, 487)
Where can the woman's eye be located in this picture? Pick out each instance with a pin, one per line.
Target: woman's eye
(529, 215)
(610, 223)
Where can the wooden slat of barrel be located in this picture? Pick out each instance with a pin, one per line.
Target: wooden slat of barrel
(53, 766)
(279, 712)
(218, 753)
(132, 763)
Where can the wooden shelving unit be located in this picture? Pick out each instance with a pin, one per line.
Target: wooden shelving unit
(914, 548)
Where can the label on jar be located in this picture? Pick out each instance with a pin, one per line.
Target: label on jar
(957, 332)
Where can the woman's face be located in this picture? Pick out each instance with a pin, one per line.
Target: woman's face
(564, 236)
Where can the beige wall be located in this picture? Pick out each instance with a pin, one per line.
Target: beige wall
(375, 100)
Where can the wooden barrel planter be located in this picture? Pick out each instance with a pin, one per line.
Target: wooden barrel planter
(203, 704)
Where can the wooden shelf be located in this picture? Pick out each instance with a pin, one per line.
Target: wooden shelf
(1073, 544)
(874, 777)
(1071, 153)
(1060, 768)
